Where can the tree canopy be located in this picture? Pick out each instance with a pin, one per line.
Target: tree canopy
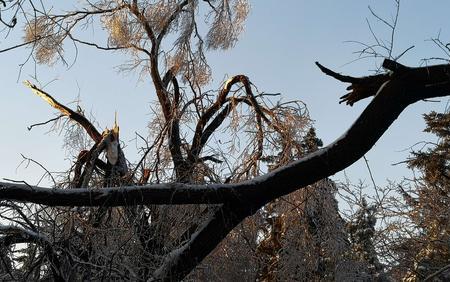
(159, 218)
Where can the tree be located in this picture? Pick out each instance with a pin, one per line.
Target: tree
(362, 231)
(424, 205)
(123, 226)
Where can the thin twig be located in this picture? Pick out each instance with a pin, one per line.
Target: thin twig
(43, 123)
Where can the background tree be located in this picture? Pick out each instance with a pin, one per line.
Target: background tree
(424, 250)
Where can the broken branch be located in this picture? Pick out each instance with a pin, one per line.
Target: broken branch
(79, 118)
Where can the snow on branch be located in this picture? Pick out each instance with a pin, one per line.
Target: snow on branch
(395, 92)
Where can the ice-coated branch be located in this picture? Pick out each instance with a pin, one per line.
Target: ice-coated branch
(393, 96)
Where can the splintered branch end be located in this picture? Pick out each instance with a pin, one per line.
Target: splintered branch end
(77, 117)
(49, 99)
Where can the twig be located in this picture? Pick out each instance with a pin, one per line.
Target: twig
(43, 123)
(41, 166)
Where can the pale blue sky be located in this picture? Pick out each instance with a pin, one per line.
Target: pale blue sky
(277, 51)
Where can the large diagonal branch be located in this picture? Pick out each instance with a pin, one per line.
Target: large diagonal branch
(392, 98)
(182, 261)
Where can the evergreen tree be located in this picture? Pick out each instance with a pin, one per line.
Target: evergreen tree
(361, 233)
(429, 205)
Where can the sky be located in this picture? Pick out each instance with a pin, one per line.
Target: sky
(277, 51)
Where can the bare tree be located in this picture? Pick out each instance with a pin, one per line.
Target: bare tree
(159, 218)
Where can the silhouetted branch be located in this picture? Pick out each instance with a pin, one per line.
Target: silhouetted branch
(391, 99)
